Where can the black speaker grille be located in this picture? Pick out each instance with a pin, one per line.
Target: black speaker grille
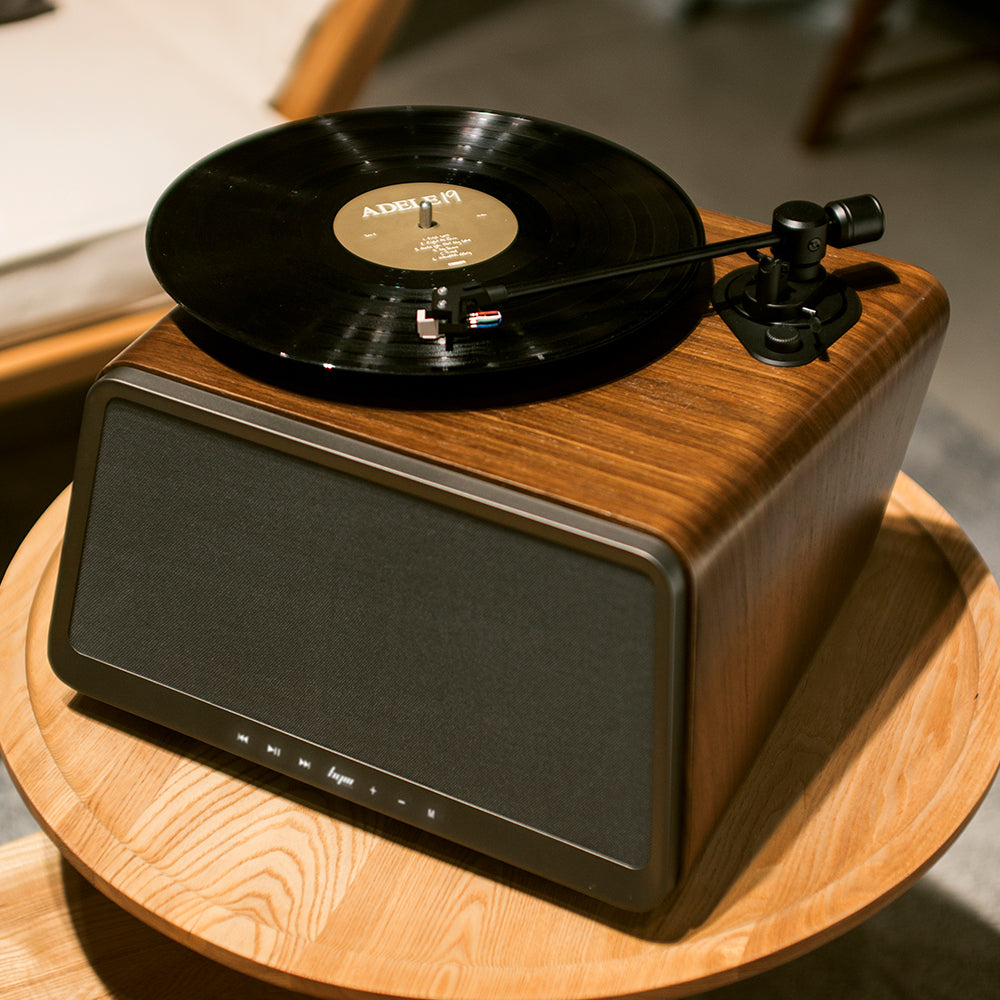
(486, 662)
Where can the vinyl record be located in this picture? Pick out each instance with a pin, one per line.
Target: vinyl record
(301, 250)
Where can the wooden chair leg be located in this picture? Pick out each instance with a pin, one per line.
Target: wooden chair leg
(841, 73)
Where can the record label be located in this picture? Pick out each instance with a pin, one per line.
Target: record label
(417, 227)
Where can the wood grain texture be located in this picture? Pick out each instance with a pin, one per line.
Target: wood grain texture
(768, 483)
(884, 751)
(60, 939)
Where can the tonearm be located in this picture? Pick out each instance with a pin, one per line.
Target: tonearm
(786, 309)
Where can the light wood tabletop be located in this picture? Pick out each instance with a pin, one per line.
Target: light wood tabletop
(883, 754)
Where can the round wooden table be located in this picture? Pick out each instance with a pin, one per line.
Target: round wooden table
(884, 752)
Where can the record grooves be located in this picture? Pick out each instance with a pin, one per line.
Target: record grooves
(246, 242)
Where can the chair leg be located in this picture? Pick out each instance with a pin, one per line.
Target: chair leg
(842, 71)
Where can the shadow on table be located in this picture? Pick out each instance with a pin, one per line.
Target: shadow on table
(923, 945)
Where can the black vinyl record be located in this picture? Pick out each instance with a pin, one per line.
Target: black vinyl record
(279, 247)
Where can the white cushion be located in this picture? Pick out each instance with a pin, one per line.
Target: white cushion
(248, 45)
(100, 113)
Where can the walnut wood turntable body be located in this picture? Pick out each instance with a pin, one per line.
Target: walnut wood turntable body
(769, 483)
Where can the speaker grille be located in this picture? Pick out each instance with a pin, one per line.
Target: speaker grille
(473, 657)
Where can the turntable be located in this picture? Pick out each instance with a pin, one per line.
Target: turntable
(477, 481)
